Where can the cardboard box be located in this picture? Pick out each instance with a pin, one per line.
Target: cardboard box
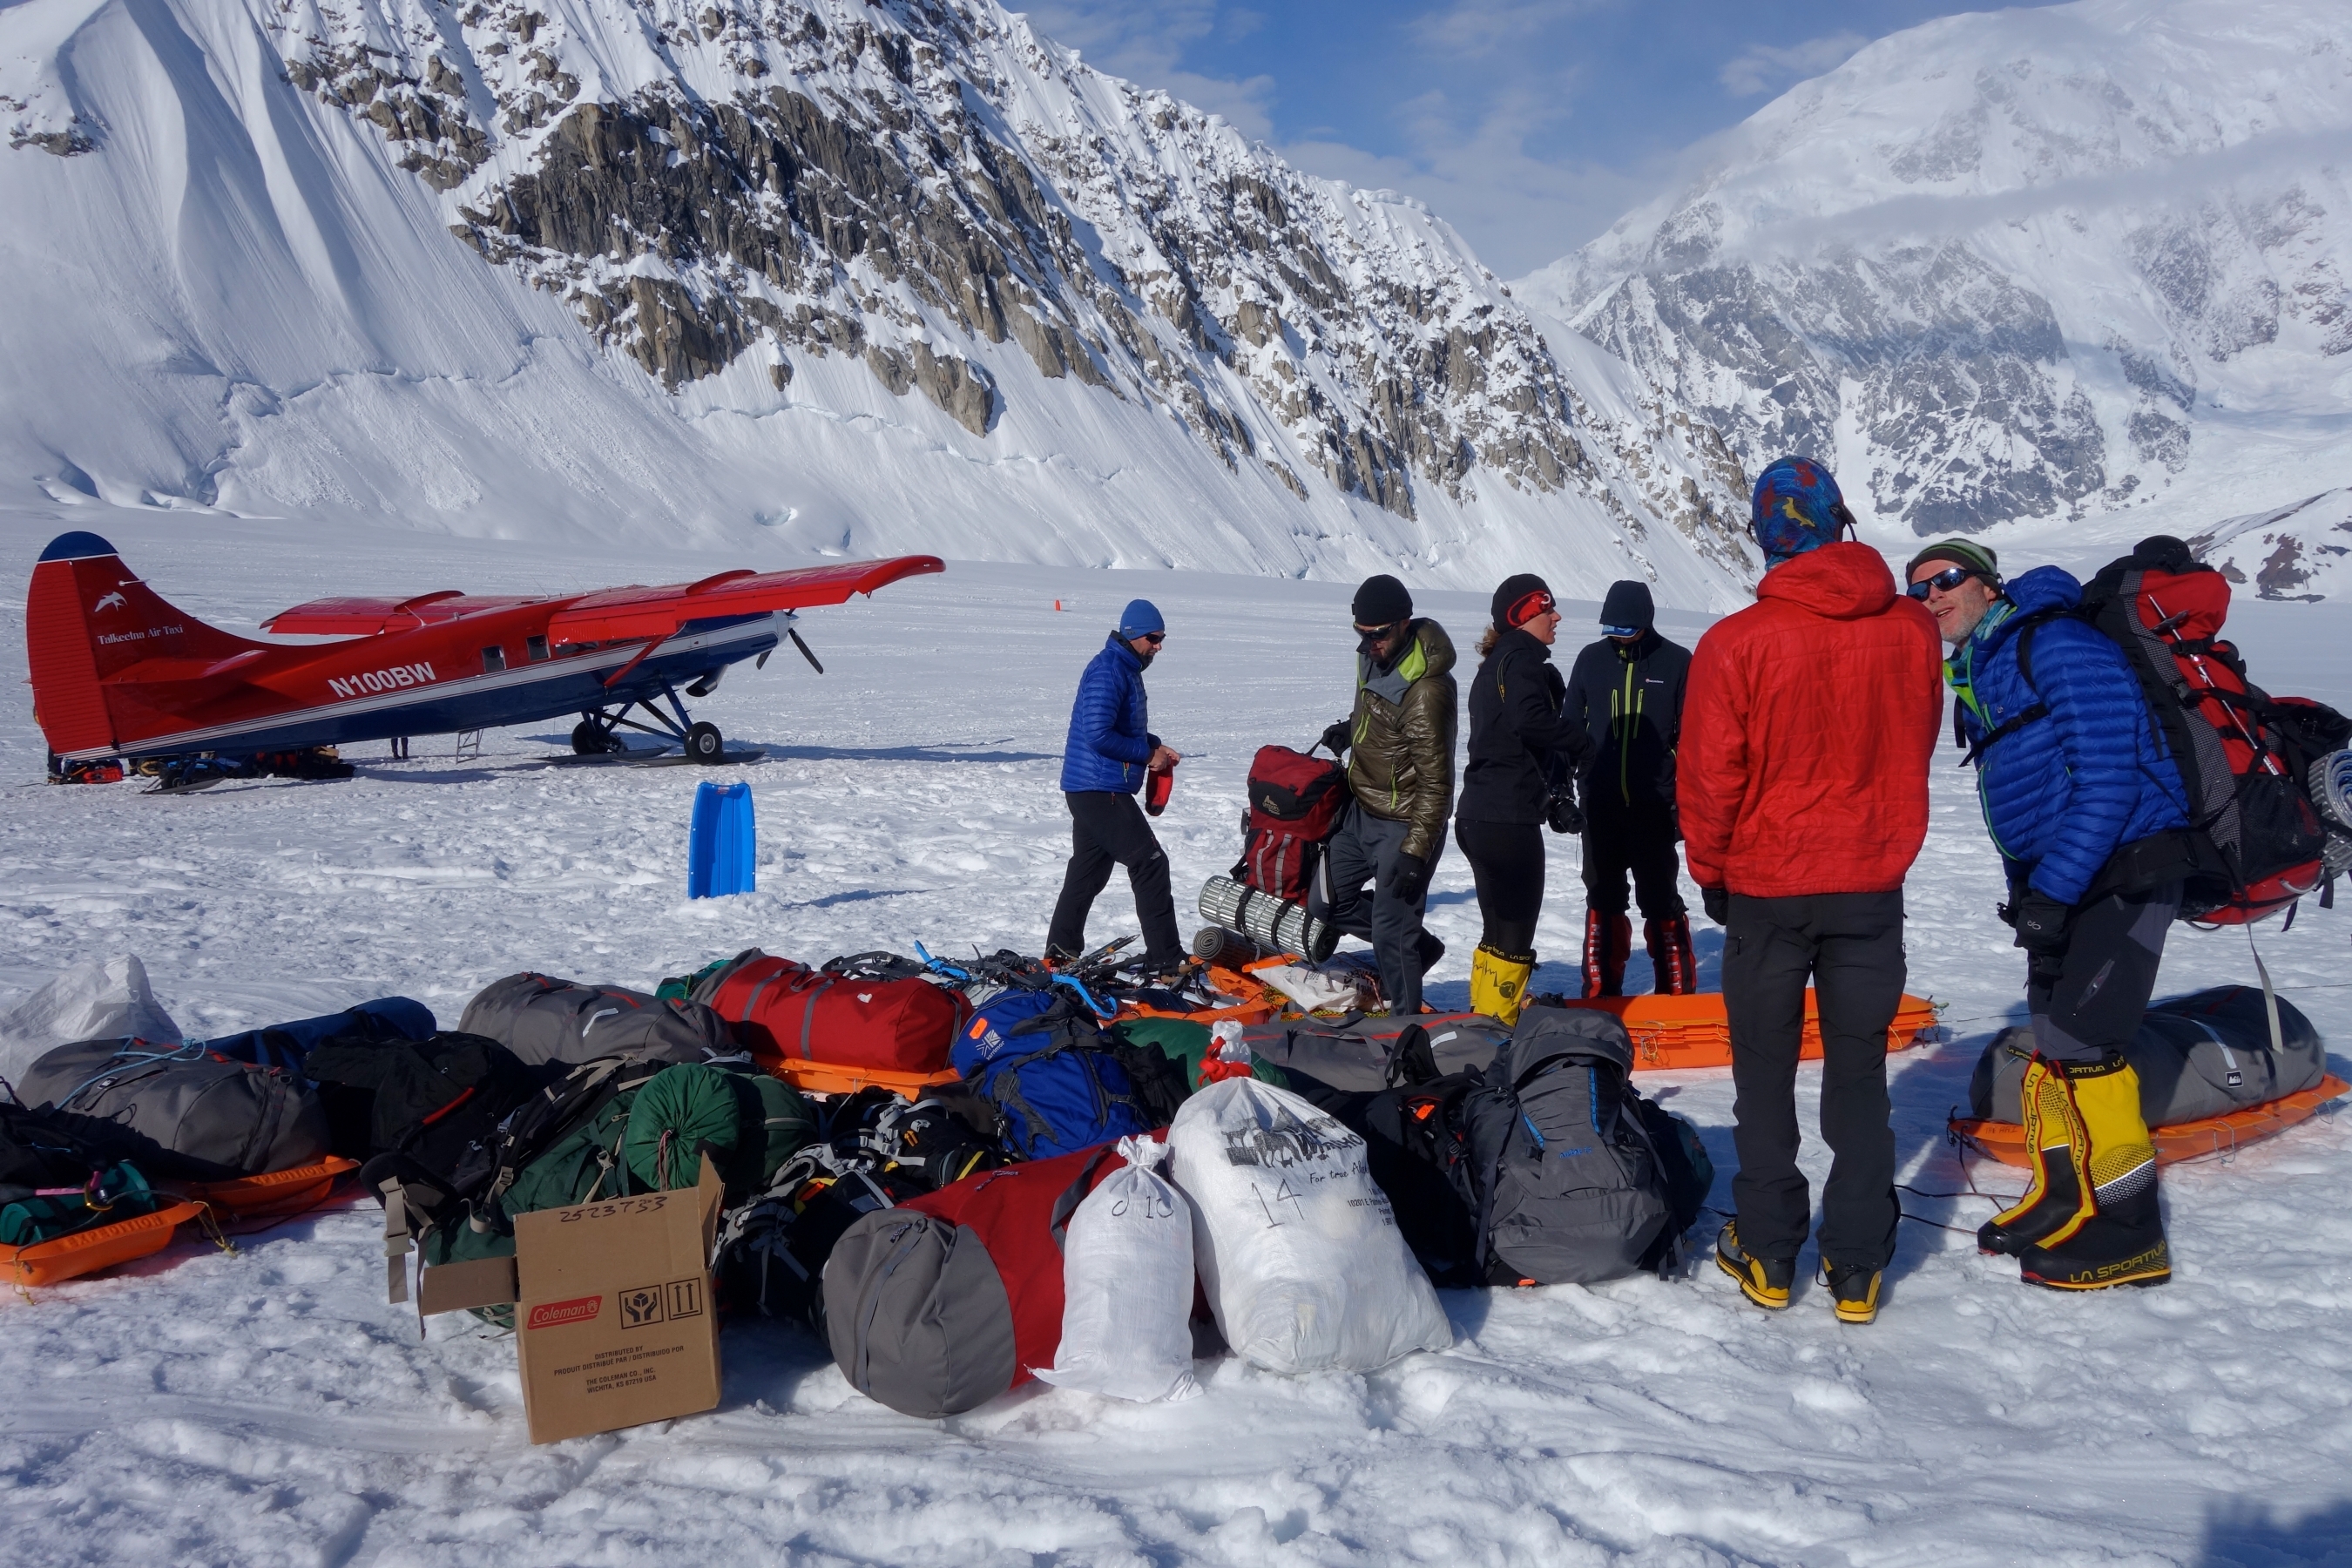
(614, 1324)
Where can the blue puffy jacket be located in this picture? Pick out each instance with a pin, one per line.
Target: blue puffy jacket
(1110, 734)
(2063, 792)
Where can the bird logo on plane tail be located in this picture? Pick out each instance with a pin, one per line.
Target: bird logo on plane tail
(110, 602)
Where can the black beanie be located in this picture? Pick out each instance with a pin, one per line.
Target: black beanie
(1382, 602)
(1628, 604)
(1509, 595)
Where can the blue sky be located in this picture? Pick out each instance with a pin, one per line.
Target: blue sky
(1529, 124)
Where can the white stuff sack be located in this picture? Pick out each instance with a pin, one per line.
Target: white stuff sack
(96, 999)
(1300, 1254)
(1127, 1286)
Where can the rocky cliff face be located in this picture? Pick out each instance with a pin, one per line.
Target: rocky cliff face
(900, 182)
(2037, 265)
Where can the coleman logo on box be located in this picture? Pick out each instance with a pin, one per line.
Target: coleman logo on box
(555, 1314)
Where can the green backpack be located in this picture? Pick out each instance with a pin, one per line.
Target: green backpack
(644, 1140)
(1187, 1043)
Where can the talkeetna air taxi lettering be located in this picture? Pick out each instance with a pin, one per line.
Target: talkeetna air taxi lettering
(118, 672)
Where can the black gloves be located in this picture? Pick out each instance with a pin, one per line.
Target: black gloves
(1408, 879)
(2040, 922)
(1335, 739)
(1561, 813)
(1716, 901)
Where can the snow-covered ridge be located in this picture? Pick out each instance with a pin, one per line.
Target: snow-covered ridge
(878, 273)
(2033, 265)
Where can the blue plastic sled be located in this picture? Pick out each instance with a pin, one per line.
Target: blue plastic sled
(723, 849)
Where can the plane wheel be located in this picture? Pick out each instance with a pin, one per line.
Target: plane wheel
(704, 744)
(590, 738)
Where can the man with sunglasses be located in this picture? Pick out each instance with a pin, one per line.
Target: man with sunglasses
(1110, 753)
(2085, 807)
(1626, 690)
(1399, 748)
(1802, 784)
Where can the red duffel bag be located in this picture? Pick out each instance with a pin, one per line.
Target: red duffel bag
(944, 1302)
(787, 1014)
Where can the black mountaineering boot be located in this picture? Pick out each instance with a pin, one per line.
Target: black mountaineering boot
(1853, 1291)
(1766, 1281)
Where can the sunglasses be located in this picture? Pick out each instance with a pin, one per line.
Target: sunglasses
(1943, 582)
(1379, 631)
(1154, 638)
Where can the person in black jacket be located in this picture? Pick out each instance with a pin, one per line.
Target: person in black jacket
(1524, 753)
(1626, 691)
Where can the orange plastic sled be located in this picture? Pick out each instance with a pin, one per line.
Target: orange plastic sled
(1254, 1001)
(825, 1077)
(2005, 1141)
(1690, 1031)
(275, 1195)
(88, 1251)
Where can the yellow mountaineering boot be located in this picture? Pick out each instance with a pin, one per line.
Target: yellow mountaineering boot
(1763, 1281)
(1853, 1291)
(1498, 981)
(2121, 1240)
(2058, 1198)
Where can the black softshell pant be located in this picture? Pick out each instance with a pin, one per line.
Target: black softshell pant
(1639, 840)
(1850, 946)
(1107, 829)
(2087, 1002)
(1365, 849)
(1507, 860)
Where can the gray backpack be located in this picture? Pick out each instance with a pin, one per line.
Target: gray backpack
(2207, 1054)
(542, 1019)
(182, 1112)
(1571, 1185)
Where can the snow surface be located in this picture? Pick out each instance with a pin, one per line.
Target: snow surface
(269, 1408)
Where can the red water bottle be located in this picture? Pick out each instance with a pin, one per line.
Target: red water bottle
(1157, 788)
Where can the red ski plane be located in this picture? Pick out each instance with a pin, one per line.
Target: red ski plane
(117, 672)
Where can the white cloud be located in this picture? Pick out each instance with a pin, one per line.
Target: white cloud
(1765, 68)
(1146, 43)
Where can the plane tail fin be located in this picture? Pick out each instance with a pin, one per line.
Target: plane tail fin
(88, 619)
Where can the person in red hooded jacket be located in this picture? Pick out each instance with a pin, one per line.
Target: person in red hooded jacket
(1807, 730)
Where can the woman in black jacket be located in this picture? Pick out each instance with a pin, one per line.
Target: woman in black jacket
(1524, 753)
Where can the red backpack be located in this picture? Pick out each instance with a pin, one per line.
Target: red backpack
(943, 1303)
(2244, 757)
(785, 1011)
(1294, 804)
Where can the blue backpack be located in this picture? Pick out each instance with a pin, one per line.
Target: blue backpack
(1041, 1056)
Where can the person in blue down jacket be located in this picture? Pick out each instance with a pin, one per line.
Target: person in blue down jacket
(2084, 802)
(1111, 752)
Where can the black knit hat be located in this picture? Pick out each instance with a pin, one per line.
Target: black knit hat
(1383, 602)
(1519, 600)
(1628, 604)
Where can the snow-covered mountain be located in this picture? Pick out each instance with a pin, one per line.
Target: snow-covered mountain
(2034, 265)
(877, 274)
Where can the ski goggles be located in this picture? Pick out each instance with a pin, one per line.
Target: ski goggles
(1621, 631)
(1528, 606)
(1943, 582)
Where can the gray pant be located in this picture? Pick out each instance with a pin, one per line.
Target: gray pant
(1365, 849)
(2087, 1003)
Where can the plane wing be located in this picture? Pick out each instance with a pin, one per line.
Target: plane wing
(623, 613)
(365, 617)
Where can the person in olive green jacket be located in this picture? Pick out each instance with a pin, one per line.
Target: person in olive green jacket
(1399, 748)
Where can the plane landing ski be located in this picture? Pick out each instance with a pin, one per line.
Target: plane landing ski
(118, 672)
